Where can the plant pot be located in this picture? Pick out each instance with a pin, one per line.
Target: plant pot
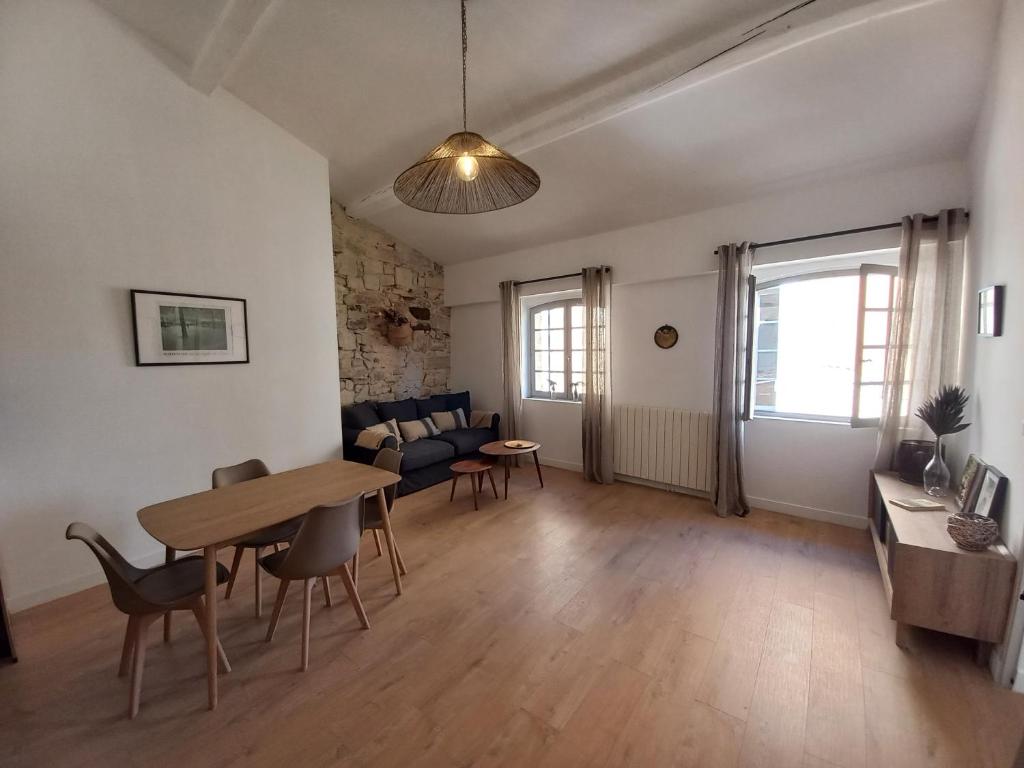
(400, 335)
(911, 458)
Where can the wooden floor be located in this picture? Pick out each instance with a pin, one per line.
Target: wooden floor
(576, 625)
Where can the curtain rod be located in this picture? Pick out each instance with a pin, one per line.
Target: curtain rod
(553, 277)
(839, 233)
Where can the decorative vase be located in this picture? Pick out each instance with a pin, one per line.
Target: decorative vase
(936, 473)
(400, 335)
(912, 456)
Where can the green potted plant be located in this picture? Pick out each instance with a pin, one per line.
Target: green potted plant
(399, 331)
(944, 415)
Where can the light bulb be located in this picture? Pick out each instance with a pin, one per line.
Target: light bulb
(467, 167)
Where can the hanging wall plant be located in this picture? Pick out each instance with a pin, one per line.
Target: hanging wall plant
(399, 327)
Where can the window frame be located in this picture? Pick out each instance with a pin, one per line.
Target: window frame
(866, 270)
(567, 305)
(861, 272)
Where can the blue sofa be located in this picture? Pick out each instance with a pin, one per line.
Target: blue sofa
(425, 462)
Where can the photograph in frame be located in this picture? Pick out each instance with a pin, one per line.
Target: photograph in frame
(990, 496)
(188, 329)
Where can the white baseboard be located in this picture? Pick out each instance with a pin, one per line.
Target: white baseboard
(19, 602)
(811, 513)
(572, 466)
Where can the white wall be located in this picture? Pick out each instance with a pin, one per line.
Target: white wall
(996, 245)
(114, 174)
(664, 273)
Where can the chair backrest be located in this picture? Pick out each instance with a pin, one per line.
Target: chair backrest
(239, 473)
(391, 460)
(121, 575)
(327, 539)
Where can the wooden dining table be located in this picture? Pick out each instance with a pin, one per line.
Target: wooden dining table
(217, 518)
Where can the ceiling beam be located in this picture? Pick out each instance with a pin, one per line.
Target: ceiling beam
(236, 25)
(794, 24)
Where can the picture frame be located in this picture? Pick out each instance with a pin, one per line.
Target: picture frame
(970, 482)
(188, 329)
(991, 493)
(990, 310)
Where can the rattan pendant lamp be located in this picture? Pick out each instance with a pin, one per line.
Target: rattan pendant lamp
(466, 173)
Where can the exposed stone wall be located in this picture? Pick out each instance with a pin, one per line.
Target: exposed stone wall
(373, 271)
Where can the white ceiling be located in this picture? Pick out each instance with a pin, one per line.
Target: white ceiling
(374, 84)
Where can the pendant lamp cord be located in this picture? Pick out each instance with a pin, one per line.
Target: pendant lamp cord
(464, 47)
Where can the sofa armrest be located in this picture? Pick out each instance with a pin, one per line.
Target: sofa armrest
(352, 452)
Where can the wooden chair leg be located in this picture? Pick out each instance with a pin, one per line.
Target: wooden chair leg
(126, 649)
(401, 562)
(235, 564)
(199, 612)
(282, 593)
(327, 591)
(455, 481)
(490, 476)
(277, 547)
(139, 661)
(258, 609)
(169, 555)
(355, 567)
(389, 538)
(353, 596)
(376, 542)
(307, 609)
(472, 482)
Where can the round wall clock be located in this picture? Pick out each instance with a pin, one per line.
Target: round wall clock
(666, 337)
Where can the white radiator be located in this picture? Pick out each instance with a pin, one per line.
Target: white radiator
(663, 445)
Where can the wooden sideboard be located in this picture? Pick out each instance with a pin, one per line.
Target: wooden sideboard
(929, 581)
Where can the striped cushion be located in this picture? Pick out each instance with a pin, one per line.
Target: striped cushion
(420, 428)
(446, 421)
(377, 433)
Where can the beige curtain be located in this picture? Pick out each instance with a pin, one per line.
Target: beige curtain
(598, 463)
(511, 363)
(925, 335)
(732, 337)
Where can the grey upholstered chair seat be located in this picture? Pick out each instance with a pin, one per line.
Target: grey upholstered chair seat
(177, 581)
(272, 562)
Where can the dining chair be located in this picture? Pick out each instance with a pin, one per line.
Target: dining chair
(146, 594)
(274, 536)
(327, 539)
(391, 460)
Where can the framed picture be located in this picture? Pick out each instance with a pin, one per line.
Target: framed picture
(189, 329)
(990, 311)
(991, 494)
(970, 482)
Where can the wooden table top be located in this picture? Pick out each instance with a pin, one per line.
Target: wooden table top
(498, 448)
(469, 466)
(227, 514)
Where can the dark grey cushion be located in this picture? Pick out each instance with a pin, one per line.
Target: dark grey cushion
(466, 440)
(458, 400)
(399, 410)
(423, 452)
(429, 405)
(360, 415)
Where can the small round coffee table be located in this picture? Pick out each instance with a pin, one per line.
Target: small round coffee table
(476, 469)
(499, 449)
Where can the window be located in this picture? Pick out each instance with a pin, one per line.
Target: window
(820, 344)
(556, 342)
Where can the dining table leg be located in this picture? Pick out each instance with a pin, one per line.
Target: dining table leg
(169, 556)
(389, 537)
(210, 579)
(508, 460)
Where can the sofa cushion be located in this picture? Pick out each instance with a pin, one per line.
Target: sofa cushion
(428, 405)
(466, 440)
(446, 421)
(423, 452)
(399, 410)
(457, 400)
(360, 415)
(418, 429)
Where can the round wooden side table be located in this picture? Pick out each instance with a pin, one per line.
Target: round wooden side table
(476, 469)
(499, 449)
